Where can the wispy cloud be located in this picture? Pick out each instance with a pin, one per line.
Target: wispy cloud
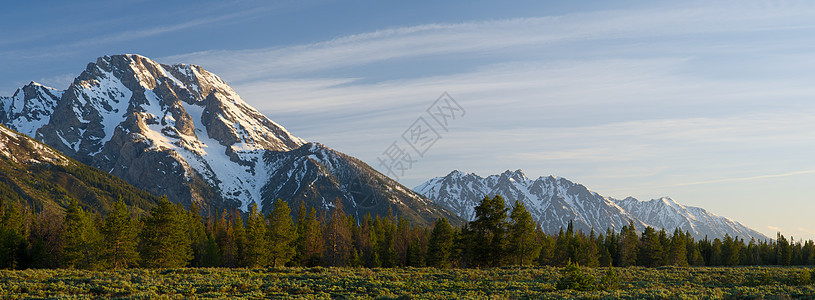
(497, 35)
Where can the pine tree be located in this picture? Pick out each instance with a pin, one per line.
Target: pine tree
(300, 243)
(628, 245)
(337, 246)
(560, 254)
(730, 251)
(522, 238)
(677, 253)
(783, 252)
(547, 248)
(227, 244)
(82, 238)
(120, 238)
(282, 234)
(12, 235)
(385, 230)
(650, 252)
(165, 241)
(198, 235)
(440, 246)
(490, 228)
(256, 251)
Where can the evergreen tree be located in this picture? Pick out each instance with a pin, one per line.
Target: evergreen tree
(650, 251)
(198, 235)
(256, 250)
(730, 251)
(300, 243)
(547, 250)
(628, 245)
(227, 244)
(120, 244)
(783, 252)
(440, 246)
(82, 238)
(337, 246)
(402, 241)
(12, 235)
(587, 253)
(385, 230)
(677, 253)
(522, 238)
(716, 253)
(282, 234)
(490, 228)
(165, 241)
(573, 278)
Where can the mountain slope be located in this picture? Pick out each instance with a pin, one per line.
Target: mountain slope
(667, 213)
(181, 131)
(39, 176)
(553, 202)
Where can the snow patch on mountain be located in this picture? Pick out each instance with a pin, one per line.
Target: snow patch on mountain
(553, 202)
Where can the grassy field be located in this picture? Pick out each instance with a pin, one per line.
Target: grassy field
(406, 283)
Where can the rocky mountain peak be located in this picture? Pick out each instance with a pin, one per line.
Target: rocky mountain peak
(181, 131)
(554, 202)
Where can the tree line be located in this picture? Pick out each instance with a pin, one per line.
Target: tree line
(172, 236)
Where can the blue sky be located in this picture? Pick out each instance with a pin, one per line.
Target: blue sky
(708, 102)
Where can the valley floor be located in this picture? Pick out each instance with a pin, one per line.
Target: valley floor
(407, 283)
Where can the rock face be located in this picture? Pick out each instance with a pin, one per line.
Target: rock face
(179, 130)
(553, 202)
(29, 109)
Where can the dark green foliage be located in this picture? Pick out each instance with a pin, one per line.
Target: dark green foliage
(172, 236)
(610, 280)
(573, 278)
(165, 241)
(489, 229)
(523, 247)
(256, 251)
(628, 246)
(440, 247)
(282, 234)
(650, 253)
(12, 235)
(82, 238)
(337, 246)
(119, 247)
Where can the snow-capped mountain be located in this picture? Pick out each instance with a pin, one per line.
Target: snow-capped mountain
(181, 131)
(667, 213)
(553, 202)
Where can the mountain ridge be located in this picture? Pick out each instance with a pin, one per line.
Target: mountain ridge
(554, 201)
(181, 131)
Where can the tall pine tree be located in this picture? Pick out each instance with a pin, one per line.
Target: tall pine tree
(522, 238)
(337, 235)
(282, 234)
(120, 238)
(489, 227)
(82, 238)
(165, 241)
(440, 246)
(256, 251)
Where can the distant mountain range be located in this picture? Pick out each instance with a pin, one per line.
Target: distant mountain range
(181, 131)
(553, 202)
